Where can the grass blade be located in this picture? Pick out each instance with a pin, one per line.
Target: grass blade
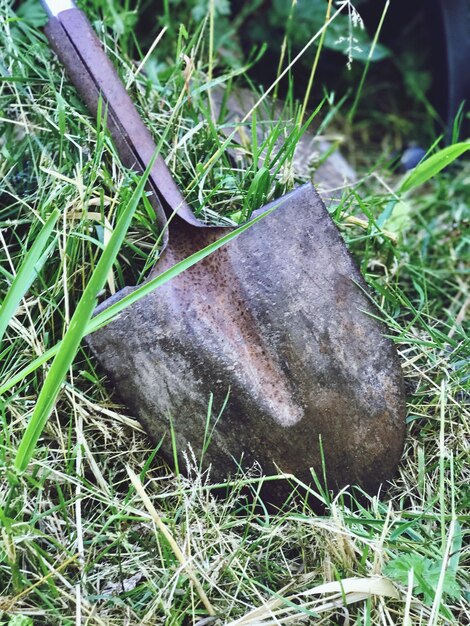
(106, 316)
(110, 313)
(77, 329)
(433, 165)
(26, 274)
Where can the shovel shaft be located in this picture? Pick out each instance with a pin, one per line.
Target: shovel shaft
(74, 41)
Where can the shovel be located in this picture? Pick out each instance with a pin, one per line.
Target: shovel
(269, 352)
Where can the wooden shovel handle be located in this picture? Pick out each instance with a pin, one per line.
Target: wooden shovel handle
(73, 39)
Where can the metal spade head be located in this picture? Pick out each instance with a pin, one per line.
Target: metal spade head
(276, 327)
(278, 321)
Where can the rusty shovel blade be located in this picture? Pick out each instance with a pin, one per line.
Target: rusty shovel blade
(275, 330)
(277, 327)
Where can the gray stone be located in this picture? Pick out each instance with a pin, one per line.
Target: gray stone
(331, 175)
(279, 321)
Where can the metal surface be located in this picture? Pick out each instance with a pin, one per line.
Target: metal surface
(278, 320)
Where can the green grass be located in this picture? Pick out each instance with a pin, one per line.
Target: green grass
(78, 544)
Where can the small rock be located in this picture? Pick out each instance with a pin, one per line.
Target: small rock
(411, 157)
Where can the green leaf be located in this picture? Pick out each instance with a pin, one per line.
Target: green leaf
(32, 13)
(353, 42)
(20, 620)
(430, 578)
(456, 549)
(31, 265)
(202, 8)
(399, 567)
(426, 576)
(386, 213)
(400, 218)
(257, 192)
(433, 165)
(342, 35)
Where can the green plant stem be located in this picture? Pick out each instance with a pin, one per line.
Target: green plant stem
(211, 52)
(26, 274)
(352, 111)
(284, 46)
(315, 65)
